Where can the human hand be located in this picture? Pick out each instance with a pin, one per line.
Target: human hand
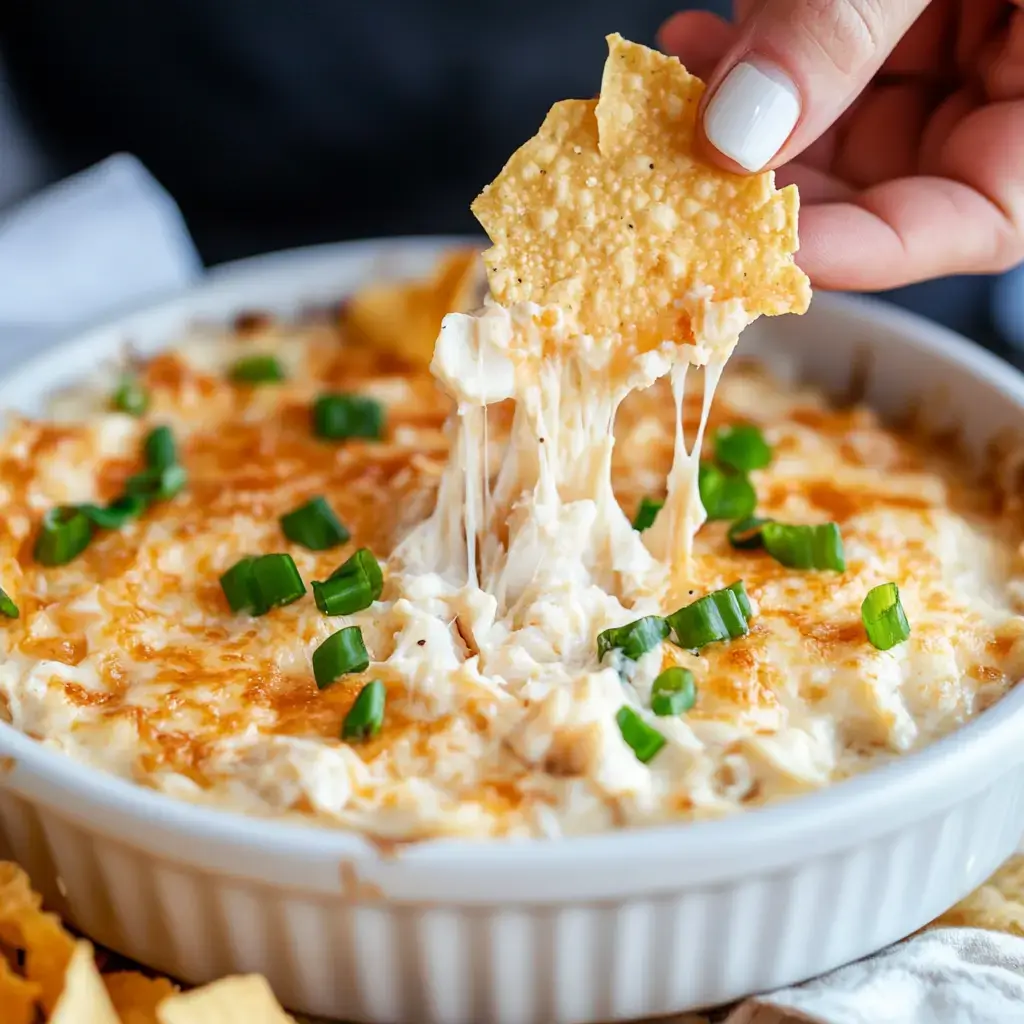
(901, 121)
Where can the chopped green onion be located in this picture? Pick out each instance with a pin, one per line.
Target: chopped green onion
(646, 514)
(8, 609)
(366, 715)
(64, 534)
(634, 639)
(314, 526)
(277, 580)
(130, 397)
(644, 739)
(341, 653)
(742, 447)
(883, 616)
(805, 547)
(258, 370)
(338, 416)
(673, 692)
(240, 589)
(160, 449)
(352, 587)
(157, 484)
(724, 493)
(255, 585)
(746, 533)
(115, 515)
(720, 615)
(739, 592)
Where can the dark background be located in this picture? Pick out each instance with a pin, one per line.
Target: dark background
(279, 123)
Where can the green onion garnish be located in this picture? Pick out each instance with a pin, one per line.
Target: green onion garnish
(277, 579)
(746, 533)
(883, 616)
(743, 447)
(366, 715)
(157, 484)
(646, 514)
(130, 397)
(163, 477)
(159, 448)
(337, 416)
(720, 615)
(805, 547)
(8, 609)
(64, 534)
(240, 588)
(258, 370)
(115, 515)
(724, 493)
(314, 526)
(341, 653)
(645, 740)
(634, 639)
(673, 692)
(255, 585)
(352, 587)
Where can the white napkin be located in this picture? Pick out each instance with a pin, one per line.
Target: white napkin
(103, 240)
(945, 976)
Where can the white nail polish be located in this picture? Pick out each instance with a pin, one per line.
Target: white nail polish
(752, 113)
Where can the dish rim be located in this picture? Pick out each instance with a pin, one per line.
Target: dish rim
(867, 805)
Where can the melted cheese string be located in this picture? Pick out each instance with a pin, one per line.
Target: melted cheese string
(551, 525)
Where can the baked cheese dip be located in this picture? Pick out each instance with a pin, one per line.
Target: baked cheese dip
(570, 577)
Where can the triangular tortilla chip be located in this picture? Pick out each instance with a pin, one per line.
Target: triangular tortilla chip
(241, 1000)
(18, 997)
(23, 924)
(136, 997)
(84, 999)
(609, 214)
(404, 317)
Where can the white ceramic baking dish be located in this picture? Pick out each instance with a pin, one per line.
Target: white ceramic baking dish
(612, 927)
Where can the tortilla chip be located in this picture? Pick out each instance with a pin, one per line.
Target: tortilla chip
(84, 999)
(404, 317)
(18, 997)
(998, 905)
(24, 925)
(136, 997)
(608, 214)
(242, 1000)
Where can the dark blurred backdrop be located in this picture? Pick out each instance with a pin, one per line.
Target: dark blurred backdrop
(278, 123)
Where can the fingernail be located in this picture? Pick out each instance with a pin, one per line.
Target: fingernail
(752, 113)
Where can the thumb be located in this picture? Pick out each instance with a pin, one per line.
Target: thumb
(795, 66)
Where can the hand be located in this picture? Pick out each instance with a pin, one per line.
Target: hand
(901, 121)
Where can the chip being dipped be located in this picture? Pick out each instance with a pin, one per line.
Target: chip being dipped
(609, 214)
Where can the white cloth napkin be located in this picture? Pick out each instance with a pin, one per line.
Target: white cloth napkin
(98, 242)
(111, 237)
(945, 976)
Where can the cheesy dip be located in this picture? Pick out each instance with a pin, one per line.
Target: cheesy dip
(552, 586)
(497, 721)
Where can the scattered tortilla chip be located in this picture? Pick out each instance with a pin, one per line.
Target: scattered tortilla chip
(84, 999)
(608, 214)
(136, 997)
(997, 905)
(18, 997)
(24, 925)
(242, 1000)
(404, 317)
